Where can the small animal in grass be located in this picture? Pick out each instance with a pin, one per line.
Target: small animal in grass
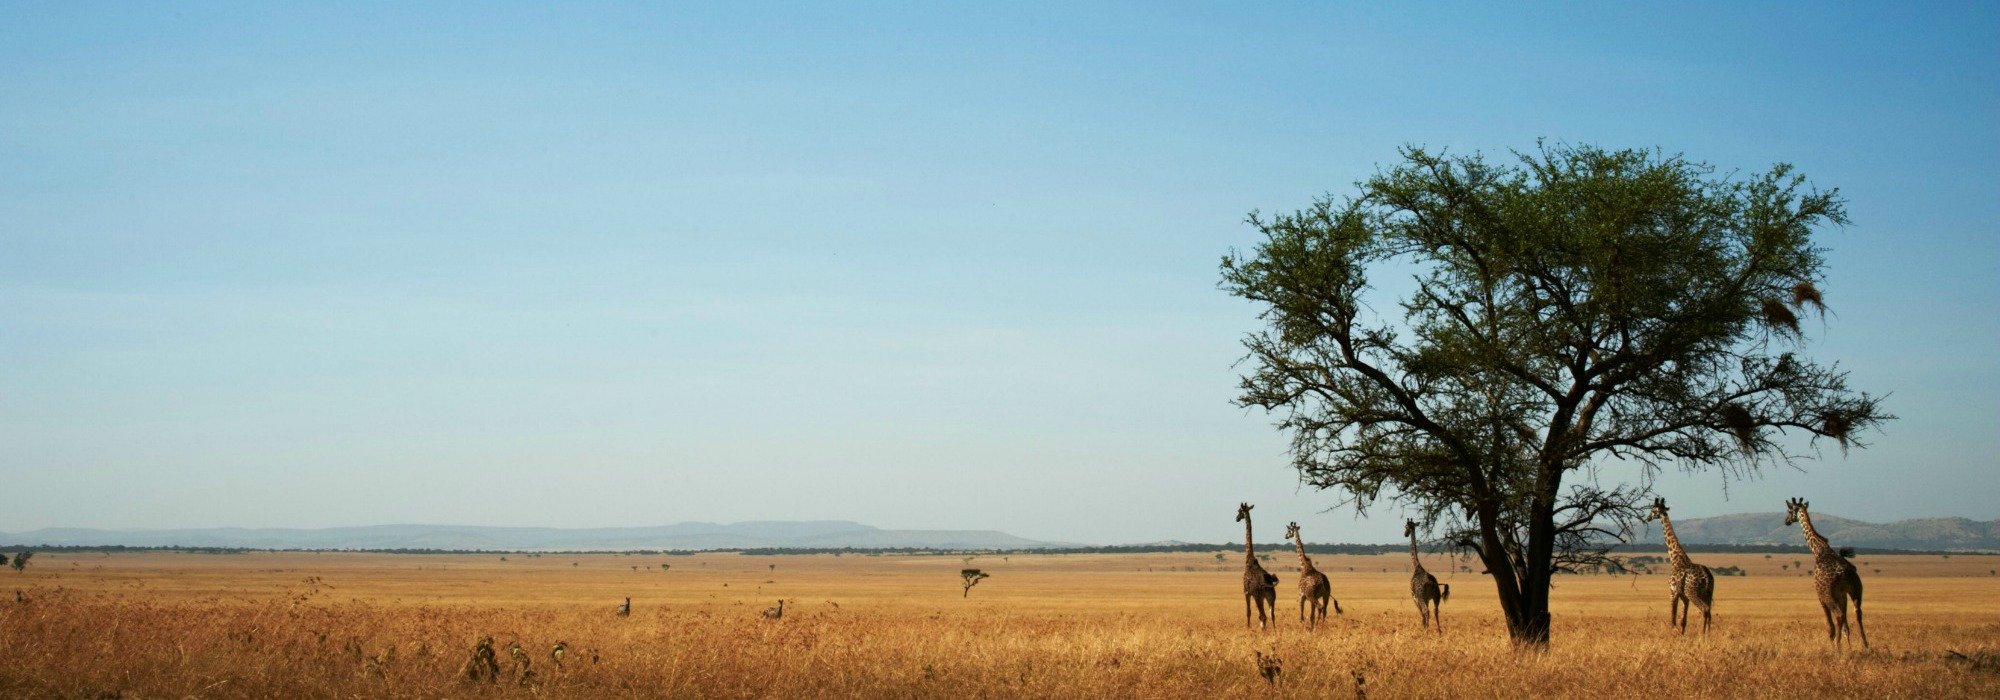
(625, 610)
(482, 664)
(777, 612)
(523, 671)
(1269, 667)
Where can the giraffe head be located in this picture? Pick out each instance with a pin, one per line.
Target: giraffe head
(1793, 509)
(1243, 512)
(1291, 530)
(1409, 528)
(1658, 511)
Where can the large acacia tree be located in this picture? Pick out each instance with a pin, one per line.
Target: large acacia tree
(1550, 332)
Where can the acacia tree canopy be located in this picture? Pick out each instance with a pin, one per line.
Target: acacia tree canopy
(1571, 314)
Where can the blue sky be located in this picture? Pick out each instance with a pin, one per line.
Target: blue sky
(920, 266)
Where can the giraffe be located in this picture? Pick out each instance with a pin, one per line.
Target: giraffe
(1834, 577)
(1314, 589)
(1424, 588)
(1692, 585)
(1259, 586)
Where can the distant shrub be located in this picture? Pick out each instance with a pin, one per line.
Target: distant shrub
(1729, 571)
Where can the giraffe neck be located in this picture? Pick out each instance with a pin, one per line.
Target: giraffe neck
(1680, 556)
(1249, 548)
(1305, 563)
(1415, 564)
(1818, 543)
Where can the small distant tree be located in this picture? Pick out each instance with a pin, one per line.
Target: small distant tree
(1570, 324)
(970, 577)
(21, 560)
(664, 567)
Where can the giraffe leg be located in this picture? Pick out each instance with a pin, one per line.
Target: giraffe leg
(1246, 610)
(1424, 611)
(1832, 632)
(1846, 634)
(1673, 610)
(1857, 619)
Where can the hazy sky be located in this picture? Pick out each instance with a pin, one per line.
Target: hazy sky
(915, 266)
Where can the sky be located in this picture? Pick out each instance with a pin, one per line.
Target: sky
(925, 265)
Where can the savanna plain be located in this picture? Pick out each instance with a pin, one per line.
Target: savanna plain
(142, 625)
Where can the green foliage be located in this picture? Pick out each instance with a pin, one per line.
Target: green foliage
(1574, 311)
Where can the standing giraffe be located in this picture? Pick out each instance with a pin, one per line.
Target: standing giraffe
(1834, 577)
(1692, 583)
(1424, 588)
(1259, 586)
(1314, 589)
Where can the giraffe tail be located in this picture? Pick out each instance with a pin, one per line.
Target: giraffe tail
(1444, 592)
(1336, 607)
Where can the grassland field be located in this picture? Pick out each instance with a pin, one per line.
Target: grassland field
(174, 625)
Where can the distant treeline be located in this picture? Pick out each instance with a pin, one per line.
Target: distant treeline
(109, 548)
(1281, 549)
(1178, 547)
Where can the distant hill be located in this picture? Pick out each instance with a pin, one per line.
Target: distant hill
(1932, 534)
(747, 535)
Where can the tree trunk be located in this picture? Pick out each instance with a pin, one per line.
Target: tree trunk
(1524, 593)
(1493, 552)
(1531, 627)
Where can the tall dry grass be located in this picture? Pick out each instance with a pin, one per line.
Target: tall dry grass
(306, 625)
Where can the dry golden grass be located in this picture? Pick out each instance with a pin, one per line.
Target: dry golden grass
(368, 625)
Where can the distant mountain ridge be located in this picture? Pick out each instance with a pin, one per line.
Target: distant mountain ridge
(1930, 534)
(681, 536)
(1753, 529)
